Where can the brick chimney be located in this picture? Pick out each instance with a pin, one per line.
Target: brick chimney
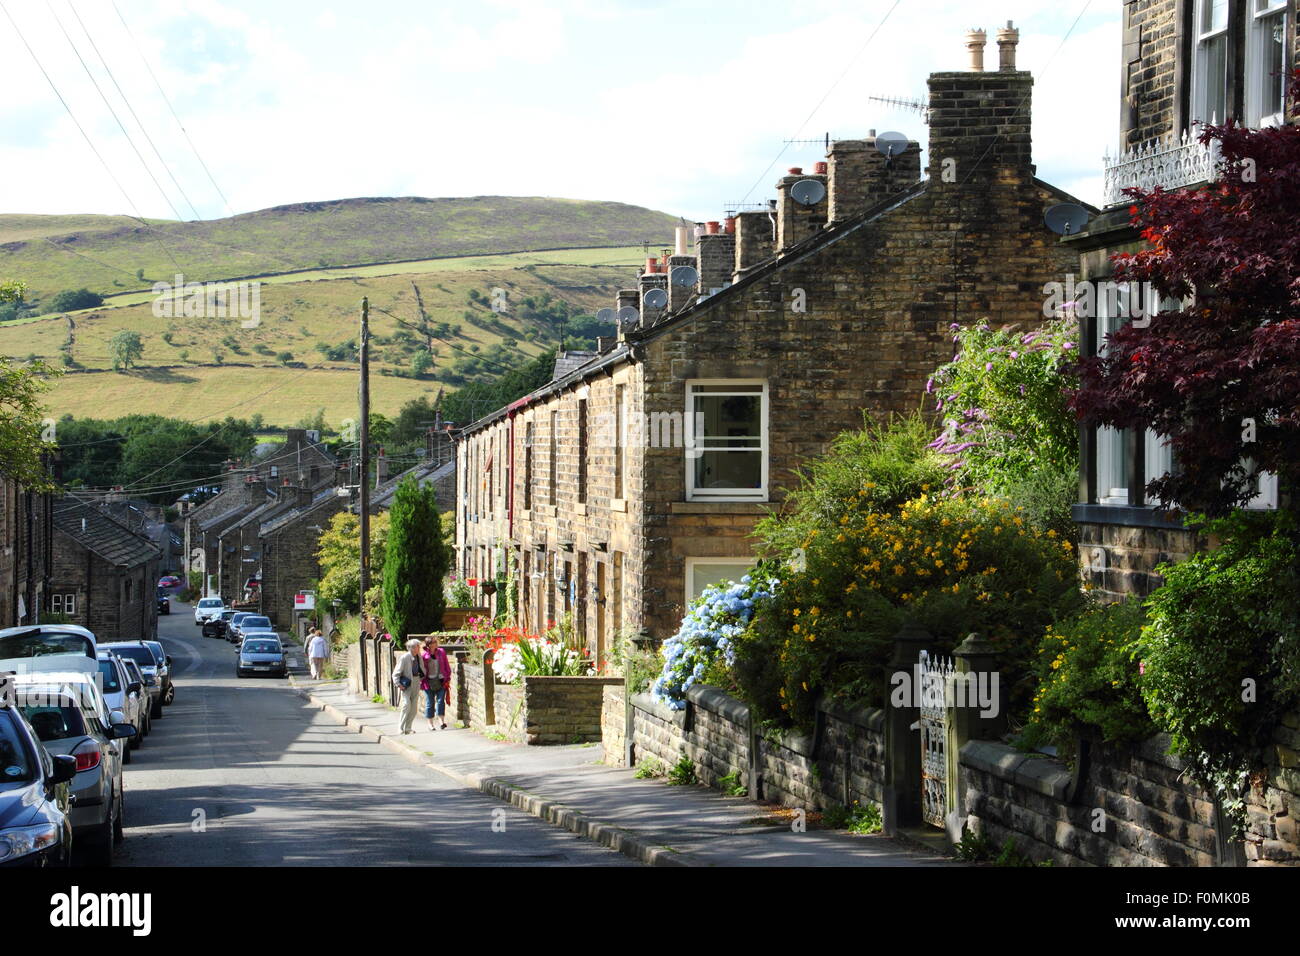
(626, 299)
(254, 489)
(714, 254)
(795, 222)
(678, 295)
(304, 496)
(754, 242)
(979, 122)
(648, 281)
(861, 175)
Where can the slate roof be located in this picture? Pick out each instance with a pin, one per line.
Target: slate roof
(571, 361)
(281, 520)
(100, 534)
(425, 473)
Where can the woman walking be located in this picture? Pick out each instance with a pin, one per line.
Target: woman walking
(407, 675)
(437, 682)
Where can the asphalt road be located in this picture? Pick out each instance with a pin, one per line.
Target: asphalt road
(241, 772)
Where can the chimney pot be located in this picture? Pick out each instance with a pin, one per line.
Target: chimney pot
(796, 170)
(1008, 38)
(975, 42)
(711, 228)
(820, 169)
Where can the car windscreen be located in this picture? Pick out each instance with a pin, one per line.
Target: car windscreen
(261, 647)
(56, 719)
(17, 765)
(157, 652)
(136, 652)
(253, 623)
(108, 673)
(38, 644)
(210, 602)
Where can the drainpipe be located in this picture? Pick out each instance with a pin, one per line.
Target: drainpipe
(511, 411)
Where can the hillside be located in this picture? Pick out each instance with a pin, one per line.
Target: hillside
(108, 254)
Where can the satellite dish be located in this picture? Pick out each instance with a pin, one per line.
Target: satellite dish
(606, 316)
(628, 317)
(655, 299)
(892, 144)
(1066, 219)
(808, 192)
(684, 276)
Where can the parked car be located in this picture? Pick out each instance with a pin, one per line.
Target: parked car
(218, 627)
(73, 719)
(164, 669)
(169, 581)
(122, 693)
(207, 609)
(143, 656)
(262, 654)
(250, 622)
(135, 678)
(35, 796)
(47, 647)
(164, 602)
(232, 629)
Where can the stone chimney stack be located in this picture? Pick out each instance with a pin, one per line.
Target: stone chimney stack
(254, 489)
(795, 221)
(976, 40)
(715, 253)
(626, 299)
(1008, 38)
(754, 240)
(648, 281)
(381, 468)
(980, 123)
(679, 295)
(861, 175)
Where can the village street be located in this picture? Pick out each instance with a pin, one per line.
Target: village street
(244, 773)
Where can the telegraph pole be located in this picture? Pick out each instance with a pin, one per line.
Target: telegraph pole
(365, 449)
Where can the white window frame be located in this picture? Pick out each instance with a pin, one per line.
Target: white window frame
(1200, 37)
(693, 563)
(693, 441)
(1255, 78)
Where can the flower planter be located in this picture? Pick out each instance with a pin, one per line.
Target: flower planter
(538, 710)
(457, 618)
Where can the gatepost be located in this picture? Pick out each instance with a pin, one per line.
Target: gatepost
(901, 793)
(976, 670)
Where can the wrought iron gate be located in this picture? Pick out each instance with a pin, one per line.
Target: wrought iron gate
(933, 677)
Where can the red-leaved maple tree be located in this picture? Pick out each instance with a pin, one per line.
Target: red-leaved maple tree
(1221, 378)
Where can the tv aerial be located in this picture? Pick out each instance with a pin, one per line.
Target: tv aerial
(684, 276)
(655, 299)
(912, 105)
(1066, 219)
(808, 192)
(892, 144)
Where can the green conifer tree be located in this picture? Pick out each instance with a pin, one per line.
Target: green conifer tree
(415, 563)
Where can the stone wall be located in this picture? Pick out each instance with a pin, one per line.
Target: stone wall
(613, 724)
(841, 763)
(1120, 560)
(542, 710)
(1135, 807)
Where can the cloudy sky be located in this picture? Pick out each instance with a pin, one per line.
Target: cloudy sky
(678, 106)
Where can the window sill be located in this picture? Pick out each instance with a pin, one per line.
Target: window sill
(618, 504)
(718, 507)
(1147, 517)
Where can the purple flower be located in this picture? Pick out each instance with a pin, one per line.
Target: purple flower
(988, 366)
(939, 406)
(1022, 390)
(1015, 355)
(929, 386)
(954, 326)
(1068, 345)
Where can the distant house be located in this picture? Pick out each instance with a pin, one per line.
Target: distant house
(103, 576)
(26, 533)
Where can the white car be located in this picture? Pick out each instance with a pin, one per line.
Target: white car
(208, 608)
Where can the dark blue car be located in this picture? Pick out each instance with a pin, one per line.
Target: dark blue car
(35, 826)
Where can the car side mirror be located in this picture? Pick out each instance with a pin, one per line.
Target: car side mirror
(122, 730)
(65, 768)
(168, 659)
(135, 687)
(117, 717)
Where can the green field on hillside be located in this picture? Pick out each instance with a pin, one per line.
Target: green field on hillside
(107, 254)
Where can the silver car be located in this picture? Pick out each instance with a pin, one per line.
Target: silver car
(135, 680)
(122, 694)
(72, 718)
(143, 656)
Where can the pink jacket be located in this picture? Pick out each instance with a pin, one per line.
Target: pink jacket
(444, 668)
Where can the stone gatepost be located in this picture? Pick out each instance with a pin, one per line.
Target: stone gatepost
(976, 711)
(901, 793)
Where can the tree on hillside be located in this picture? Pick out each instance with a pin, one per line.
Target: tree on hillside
(1220, 378)
(125, 348)
(415, 564)
(70, 300)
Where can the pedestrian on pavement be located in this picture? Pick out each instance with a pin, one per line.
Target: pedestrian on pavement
(317, 651)
(437, 682)
(407, 675)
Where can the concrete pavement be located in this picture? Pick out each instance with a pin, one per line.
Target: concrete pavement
(646, 820)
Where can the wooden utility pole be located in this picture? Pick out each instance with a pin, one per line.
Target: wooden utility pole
(364, 482)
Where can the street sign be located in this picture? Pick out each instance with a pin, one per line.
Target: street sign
(304, 601)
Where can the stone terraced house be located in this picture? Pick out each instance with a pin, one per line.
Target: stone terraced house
(633, 480)
(1185, 62)
(26, 555)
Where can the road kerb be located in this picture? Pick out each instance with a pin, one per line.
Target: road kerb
(549, 811)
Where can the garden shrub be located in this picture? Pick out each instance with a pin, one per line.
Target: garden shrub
(706, 641)
(950, 565)
(1088, 679)
(1221, 651)
(1008, 427)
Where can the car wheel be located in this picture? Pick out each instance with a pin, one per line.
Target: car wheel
(126, 751)
(98, 847)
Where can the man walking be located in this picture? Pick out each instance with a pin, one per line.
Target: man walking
(317, 651)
